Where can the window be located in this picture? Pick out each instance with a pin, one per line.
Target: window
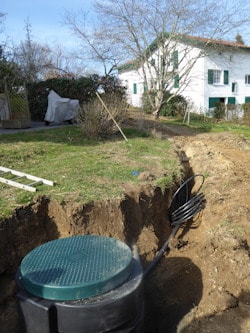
(247, 79)
(247, 99)
(234, 87)
(135, 88)
(176, 81)
(175, 59)
(226, 77)
(218, 77)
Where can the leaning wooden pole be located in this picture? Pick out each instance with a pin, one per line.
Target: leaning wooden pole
(105, 107)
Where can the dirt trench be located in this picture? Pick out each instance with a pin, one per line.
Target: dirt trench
(140, 218)
(220, 246)
(202, 282)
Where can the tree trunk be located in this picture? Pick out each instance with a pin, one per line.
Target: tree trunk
(158, 103)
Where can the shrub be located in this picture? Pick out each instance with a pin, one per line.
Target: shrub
(82, 89)
(10, 74)
(219, 111)
(95, 121)
(246, 117)
(173, 105)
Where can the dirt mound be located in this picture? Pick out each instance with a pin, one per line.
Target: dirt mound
(220, 246)
(202, 283)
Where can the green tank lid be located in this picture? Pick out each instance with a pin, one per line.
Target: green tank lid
(76, 267)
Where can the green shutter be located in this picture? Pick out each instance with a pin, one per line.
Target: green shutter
(175, 59)
(226, 77)
(176, 81)
(210, 76)
(145, 87)
(247, 99)
(231, 100)
(135, 88)
(213, 101)
(234, 86)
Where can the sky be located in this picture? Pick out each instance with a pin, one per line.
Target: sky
(44, 16)
(46, 20)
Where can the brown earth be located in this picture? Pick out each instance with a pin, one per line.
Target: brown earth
(202, 283)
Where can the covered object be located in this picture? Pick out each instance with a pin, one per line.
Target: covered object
(60, 109)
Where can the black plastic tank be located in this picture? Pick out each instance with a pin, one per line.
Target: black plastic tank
(81, 284)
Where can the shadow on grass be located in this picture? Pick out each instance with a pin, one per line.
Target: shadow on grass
(70, 135)
(132, 128)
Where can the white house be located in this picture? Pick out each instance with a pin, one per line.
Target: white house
(204, 71)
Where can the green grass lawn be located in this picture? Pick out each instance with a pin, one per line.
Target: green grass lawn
(206, 125)
(83, 170)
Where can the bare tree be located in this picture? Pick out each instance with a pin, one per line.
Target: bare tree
(65, 63)
(59, 66)
(147, 33)
(94, 44)
(34, 59)
(39, 61)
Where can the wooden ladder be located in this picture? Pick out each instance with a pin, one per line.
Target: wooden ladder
(22, 176)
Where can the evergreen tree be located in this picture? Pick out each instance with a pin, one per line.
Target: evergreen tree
(239, 39)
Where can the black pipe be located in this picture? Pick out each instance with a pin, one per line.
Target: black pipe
(182, 214)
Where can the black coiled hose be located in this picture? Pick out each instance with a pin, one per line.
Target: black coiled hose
(184, 206)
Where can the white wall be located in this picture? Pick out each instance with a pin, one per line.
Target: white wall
(128, 79)
(237, 62)
(194, 86)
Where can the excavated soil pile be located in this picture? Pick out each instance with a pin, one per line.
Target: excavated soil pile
(202, 284)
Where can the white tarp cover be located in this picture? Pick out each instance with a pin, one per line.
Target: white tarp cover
(60, 109)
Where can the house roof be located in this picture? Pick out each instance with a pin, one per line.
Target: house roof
(188, 39)
(210, 41)
(127, 66)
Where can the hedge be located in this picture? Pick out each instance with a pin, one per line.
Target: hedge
(82, 89)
